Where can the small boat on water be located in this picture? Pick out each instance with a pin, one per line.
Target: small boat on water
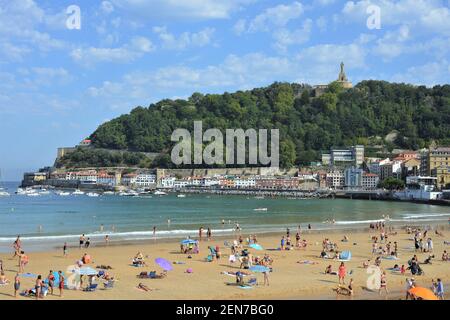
(159, 193)
(260, 209)
(63, 193)
(181, 196)
(92, 194)
(259, 197)
(108, 193)
(129, 193)
(78, 192)
(4, 193)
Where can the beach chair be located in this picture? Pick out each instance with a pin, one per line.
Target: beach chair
(109, 284)
(252, 282)
(92, 287)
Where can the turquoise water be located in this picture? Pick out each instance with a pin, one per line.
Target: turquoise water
(132, 218)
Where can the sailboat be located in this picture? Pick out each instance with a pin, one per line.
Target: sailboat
(3, 193)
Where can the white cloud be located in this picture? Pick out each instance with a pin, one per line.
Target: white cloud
(137, 47)
(430, 74)
(240, 26)
(393, 44)
(284, 37)
(186, 9)
(185, 40)
(278, 16)
(106, 7)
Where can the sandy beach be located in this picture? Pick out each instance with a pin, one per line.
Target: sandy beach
(289, 279)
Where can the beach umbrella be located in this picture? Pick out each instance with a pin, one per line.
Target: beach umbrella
(424, 293)
(256, 246)
(188, 241)
(29, 275)
(87, 271)
(259, 268)
(163, 263)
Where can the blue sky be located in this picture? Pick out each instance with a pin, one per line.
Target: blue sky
(58, 84)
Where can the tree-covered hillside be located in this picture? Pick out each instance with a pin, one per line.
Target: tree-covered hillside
(307, 124)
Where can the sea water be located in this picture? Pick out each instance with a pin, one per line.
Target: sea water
(50, 220)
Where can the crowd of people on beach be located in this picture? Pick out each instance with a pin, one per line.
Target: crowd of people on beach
(384, 246)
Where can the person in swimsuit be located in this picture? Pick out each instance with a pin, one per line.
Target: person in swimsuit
(38, 286)
(61, 283)
(23, 261)
(81, 240)
(383, 283)
(65, 249)
(51, 281)
(342, 272)
(16, 284)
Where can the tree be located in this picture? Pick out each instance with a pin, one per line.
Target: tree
(392, 183)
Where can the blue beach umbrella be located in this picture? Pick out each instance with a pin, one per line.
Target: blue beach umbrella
(256, 246)
(259, 268)
(188, 241)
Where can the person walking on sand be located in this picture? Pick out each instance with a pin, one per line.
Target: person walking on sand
(200, 233)
(107, 239)
(154, 232)
(81, 241)
(65, 249)
(341, 273)
(17, 246)
(208, 234)
(23, 261)
(16, 284)
(383, 283)
(61, 283)
(440, 289)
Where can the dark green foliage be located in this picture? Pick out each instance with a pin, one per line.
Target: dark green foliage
(392, 184)
(88, 157)
(307, 125)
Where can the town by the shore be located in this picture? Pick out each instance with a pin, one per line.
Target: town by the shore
(299, 273)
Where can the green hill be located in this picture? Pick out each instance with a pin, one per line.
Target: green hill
(307, 124)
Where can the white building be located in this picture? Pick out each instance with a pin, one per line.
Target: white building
(209, 182)
(167, 182)
(419, 188)
(335, 179)
(245, 183)
(370, 181)
(145, 180)
(182, 183)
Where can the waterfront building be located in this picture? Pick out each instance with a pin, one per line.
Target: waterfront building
(419, 188)
(31, 178)
(442, 175)
(106, 179)
(352, 156)
(145, 180)
(277, 183)
(181, 183)
(167, 182)
(410, 167)
(335, 179)
(209, 182)
(245, 182)
(375, 166)
(391, 169)
(129, 179)
(370, 181)
(353, 178)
